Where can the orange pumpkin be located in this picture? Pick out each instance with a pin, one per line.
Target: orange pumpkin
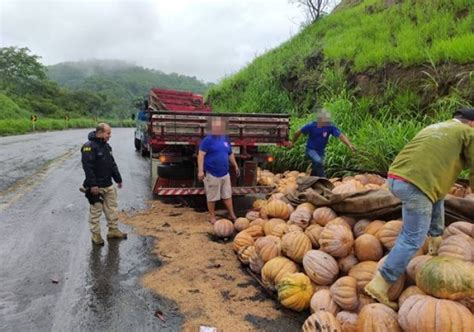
(360, 226)
(268, 247)
(323, 300)
(344, 293)
(374, 226)
(458, 246)
(410, 291)
(258, 222)
(276, 269)
(347, 320)
(343, 221)
(363, 301)
(300, 217)
(277, 209)
(255, 231)
(313, 232)
(377, 317)
(363, 273)
(336, 240)
(388, 233)
(295, 245)
(245, 253)
(368, 248)
(240, 224)
(426, 313)
(459, 227)
(252, 215)
(279, 230)
(259, 204)
(268, 227)
(256, 262)
(320, 267)
(242, 239)
(321, 321)
(323, 215)
(346, 263)
(223, 228)
(306, 206)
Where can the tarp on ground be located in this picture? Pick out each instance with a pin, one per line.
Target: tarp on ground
(372, 204)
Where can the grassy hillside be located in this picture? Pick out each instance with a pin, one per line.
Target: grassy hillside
(384, 68)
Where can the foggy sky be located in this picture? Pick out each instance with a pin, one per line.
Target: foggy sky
(204, 38)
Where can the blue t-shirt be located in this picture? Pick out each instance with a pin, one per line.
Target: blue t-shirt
(217, 149)
(318, 137)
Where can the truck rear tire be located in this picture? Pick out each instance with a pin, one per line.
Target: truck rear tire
(176, 171)
(144, 151)
(137, 144)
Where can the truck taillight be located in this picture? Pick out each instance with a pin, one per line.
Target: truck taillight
(163, 159)
(270, 159)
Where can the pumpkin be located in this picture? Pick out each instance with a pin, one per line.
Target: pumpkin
(446, 278)
(458, 246)
(321, 321)
(320, 267)
(255, 262)
(306, 206)
(377, 317)
(375, 179)
(252, 215)
(360, 226)
(362, 179)
(300, 218)
(323, 215)
(414, 265)
(313, 232)
(368, 248)
(346, 263)
(349, 221)
(223, 228)
(242, 239)
(279, 230)
(245, 253)
(397, 287)
(323, 300)
(295, 291)
(268, 227)
(348, 188)
(388, 233)
(343, 221)
(259, 204)
(258, 222)
(410, 291)
(277, 209)
(240, 224)
(373, 227)
(293, 228)
(423, 313)
(295, 245)
(277, 268)
(268, 247)
(276, 196)
(372, 186)
(459, 227)
(344, 292)
(347, 320)
(363, 272)
(336, 240)
(363, 301)
(255, 231)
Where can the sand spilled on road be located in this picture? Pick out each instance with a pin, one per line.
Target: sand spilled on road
(203, 276)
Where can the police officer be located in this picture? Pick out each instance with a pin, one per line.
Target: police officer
(100, 168)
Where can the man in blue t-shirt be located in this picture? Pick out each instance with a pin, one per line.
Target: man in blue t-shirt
(318, 136)
(215, 152)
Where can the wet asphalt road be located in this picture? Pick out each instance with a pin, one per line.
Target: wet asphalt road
(44, 236)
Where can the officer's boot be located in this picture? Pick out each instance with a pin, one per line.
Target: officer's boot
(115, 233)
(378, 288)
(97, 239)
(433, 245)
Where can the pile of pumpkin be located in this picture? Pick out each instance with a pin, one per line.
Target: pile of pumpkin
(287, 182)
(459, 190)
(314, 259)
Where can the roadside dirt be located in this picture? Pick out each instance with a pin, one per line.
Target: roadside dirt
(203, 276)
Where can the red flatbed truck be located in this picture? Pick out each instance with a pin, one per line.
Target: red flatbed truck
(177, 122)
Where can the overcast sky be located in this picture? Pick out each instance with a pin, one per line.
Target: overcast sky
(204, 38)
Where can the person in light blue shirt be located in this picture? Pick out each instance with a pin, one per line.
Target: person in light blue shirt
(318, 133)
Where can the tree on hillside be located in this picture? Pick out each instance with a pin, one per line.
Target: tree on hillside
(18, 66)
(314, 9)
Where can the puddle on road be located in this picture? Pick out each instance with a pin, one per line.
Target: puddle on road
(204, 277)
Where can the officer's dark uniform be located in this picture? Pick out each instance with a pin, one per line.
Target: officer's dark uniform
(100, 168)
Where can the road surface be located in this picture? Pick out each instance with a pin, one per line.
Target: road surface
(44, 237)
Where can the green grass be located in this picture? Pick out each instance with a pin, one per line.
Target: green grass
(23, 126)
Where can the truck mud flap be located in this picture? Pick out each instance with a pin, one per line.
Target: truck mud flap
(236, 191)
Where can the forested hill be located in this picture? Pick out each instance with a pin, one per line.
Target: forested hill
(116, 74)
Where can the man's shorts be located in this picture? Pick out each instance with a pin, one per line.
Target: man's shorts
(217, 188)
